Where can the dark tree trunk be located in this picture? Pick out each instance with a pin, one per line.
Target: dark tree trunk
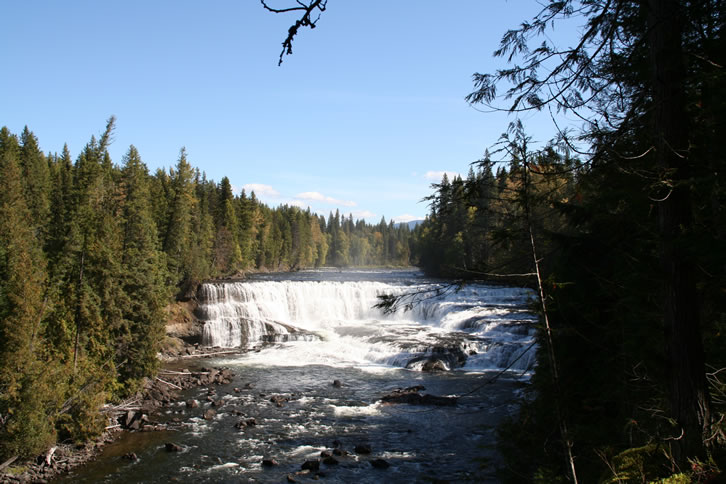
(689, 398)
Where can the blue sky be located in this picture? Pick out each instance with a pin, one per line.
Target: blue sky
(363, 117)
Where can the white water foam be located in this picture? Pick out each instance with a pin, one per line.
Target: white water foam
(336, 324)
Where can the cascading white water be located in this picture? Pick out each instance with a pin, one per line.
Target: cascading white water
(477, 326)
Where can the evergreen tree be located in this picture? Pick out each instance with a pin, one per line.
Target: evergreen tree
(177, 241)
(138, 340)
(26, 401)
(36, 182)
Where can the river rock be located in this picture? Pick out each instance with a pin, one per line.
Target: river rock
(250, 422)
(192, 403)
(311, 465)
(337, 384)
(130, 456)
(434, 365)
(129, 418)
(172, 447)
(270, 462)
(412, 396)
(362, 449)
(380, 464)
(279, 400)
(330, 461)
(209, 414)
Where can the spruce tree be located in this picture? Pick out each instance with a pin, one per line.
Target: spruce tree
(142, 273)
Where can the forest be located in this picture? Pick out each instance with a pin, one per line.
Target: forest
(91, 252)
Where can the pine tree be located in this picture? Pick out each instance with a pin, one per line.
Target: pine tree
(137, 341)
(227, 252)
(177, 241)
(36, 182)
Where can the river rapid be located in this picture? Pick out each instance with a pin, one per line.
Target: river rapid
(315, 359)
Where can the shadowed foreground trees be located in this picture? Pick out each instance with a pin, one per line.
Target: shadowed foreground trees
(633, 250)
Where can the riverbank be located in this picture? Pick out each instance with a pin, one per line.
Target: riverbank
(138, 413)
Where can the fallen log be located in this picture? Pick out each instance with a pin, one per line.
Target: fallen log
(169, 383)
(8, 462)
(202, 355)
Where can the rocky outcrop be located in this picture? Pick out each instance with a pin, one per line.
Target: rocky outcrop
(181, 322)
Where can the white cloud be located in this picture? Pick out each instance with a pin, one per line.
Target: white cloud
(299, 204)
(359, 214)
(319, 197)
(405, 218)
(438, 175)
(261, 190)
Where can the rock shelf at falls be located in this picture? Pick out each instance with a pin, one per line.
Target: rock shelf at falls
(474, 327)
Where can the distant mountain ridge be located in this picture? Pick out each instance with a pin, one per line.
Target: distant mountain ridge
(411, 225)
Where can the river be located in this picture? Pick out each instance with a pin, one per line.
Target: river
(313, 341)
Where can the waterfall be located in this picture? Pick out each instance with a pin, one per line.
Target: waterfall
(477, 326)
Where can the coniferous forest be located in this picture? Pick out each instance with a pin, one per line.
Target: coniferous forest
(91, 252)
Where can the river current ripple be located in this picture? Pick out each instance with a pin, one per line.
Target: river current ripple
(369, 355)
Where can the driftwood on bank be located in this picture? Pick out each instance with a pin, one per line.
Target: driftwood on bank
(8, 462)
(49, 455)
(203, 355)
(169, 383)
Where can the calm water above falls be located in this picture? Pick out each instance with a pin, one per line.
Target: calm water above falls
(306, 330)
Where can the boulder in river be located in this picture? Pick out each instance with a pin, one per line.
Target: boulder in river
(380, 464)
(209, 414)
(362, 449)
(434, 364)
(279, 400)
(242, 424)
(330, 461)
(412, 396)
(311, 465)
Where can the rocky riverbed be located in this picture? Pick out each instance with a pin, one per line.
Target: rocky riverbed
(136, 414)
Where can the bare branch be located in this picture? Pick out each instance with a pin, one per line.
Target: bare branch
(306, 20)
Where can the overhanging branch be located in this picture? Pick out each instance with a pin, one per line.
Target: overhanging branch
(306, 20)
